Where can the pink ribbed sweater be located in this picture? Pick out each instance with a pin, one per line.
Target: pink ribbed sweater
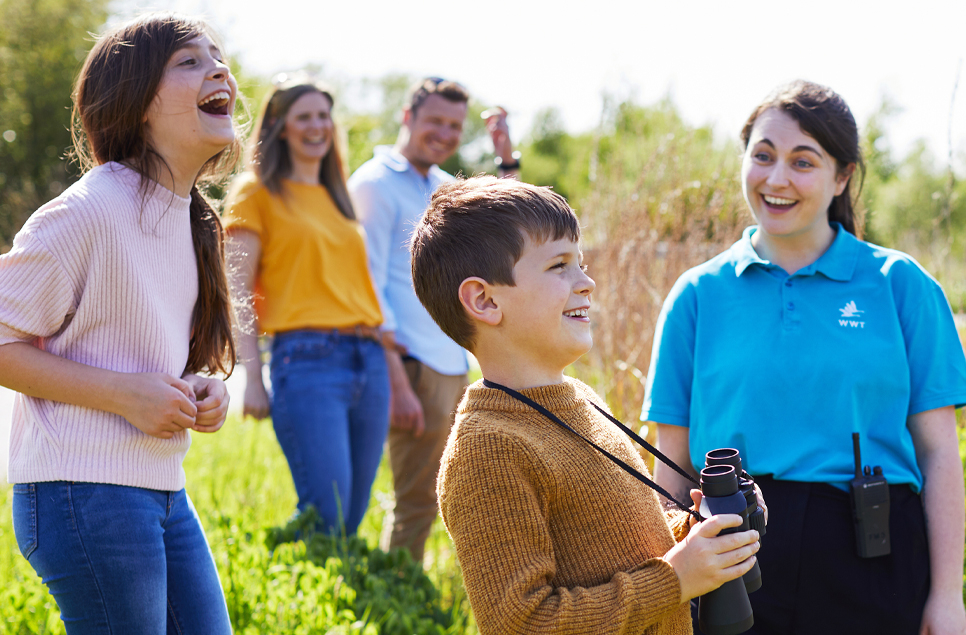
(102, 277)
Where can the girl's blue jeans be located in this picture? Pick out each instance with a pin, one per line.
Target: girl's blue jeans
(120, 559)
(330, 409)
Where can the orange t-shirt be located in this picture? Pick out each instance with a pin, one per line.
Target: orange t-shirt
(313, 271)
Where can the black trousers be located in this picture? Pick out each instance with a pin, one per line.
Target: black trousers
(813, 583)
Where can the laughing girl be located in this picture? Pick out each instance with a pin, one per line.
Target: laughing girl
(113, 297)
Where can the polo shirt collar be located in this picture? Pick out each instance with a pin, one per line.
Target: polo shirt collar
(837, 263)
(745, 254)
(393, 158)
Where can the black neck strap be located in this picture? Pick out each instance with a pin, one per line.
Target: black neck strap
(627, 468)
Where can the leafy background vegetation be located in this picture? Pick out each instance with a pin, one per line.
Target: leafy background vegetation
(655, 195)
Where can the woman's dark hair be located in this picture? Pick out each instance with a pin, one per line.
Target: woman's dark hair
(268, 152)
(114, 90)
(823, 115)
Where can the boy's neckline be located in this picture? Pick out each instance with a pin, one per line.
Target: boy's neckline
(564, 396)
(524, 381)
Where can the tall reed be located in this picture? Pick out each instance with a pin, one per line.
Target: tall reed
(662, 198)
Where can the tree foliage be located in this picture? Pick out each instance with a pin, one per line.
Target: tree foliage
(635, 155)
(916, 204)
(42, 46)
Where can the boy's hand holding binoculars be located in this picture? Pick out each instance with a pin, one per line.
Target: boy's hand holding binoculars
(703, 561)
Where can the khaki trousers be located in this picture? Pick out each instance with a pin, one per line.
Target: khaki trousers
(415, 461)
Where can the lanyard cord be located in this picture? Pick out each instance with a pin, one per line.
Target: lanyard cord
(627, 468)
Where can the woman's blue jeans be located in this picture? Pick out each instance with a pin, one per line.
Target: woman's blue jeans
(330, 409)
(120, 559)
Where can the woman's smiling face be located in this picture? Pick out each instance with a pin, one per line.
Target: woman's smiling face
(788, 178)
(308, 128)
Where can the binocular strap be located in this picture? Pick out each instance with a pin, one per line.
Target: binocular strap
(627, 468)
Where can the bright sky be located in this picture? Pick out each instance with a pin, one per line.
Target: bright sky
(715, 59)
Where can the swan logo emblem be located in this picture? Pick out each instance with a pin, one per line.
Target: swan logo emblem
(851, 311)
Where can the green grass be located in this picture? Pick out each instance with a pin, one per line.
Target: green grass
(240, 484)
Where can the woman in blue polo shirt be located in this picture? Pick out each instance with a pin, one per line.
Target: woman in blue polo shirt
(790, 341)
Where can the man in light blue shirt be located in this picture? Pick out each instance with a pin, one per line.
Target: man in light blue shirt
(427, 369)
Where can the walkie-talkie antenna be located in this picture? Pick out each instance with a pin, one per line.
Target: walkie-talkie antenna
(858, 454)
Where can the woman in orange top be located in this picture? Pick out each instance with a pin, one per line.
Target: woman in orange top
(300, 253)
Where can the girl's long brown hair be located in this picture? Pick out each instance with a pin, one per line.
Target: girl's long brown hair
(268, 153)
(114, 90)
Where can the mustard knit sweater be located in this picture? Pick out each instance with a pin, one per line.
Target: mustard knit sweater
(552, 536)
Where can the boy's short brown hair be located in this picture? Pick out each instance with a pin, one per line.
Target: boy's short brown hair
(476, 228)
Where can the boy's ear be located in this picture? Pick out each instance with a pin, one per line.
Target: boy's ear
(477, 300)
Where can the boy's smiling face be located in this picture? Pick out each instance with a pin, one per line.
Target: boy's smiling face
(545, 316)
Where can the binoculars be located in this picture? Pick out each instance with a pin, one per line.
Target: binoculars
(728, 489)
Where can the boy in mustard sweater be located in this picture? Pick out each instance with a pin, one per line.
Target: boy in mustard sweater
(552, 536)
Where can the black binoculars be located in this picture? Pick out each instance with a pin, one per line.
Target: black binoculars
(728, 489)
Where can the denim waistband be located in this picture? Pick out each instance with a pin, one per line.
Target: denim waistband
(360, 331)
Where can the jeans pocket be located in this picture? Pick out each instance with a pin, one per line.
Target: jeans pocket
(25, 517)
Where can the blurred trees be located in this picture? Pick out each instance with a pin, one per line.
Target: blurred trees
(644, 156)
(640, 160)
(378, 122)
(553, 157)
(916, 204)
(42, 46)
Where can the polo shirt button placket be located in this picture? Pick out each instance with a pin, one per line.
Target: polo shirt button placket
(790, 317)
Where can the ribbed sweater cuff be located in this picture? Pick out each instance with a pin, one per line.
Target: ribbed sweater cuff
(659, 586)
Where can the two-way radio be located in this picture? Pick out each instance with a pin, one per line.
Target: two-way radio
(869, 491)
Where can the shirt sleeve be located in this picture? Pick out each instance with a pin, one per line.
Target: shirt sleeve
(379, 217)
(492, 503)
(667, 397)
(242, 210)
(937, 365)
(36, 294)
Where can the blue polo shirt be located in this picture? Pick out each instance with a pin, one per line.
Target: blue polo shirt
(786, 368)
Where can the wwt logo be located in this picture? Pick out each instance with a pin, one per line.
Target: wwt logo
(851, 311)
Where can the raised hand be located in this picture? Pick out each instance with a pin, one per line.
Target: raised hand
(499, 133)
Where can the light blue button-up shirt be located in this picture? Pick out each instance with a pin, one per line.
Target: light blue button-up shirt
(390, 197)
(786, 368)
